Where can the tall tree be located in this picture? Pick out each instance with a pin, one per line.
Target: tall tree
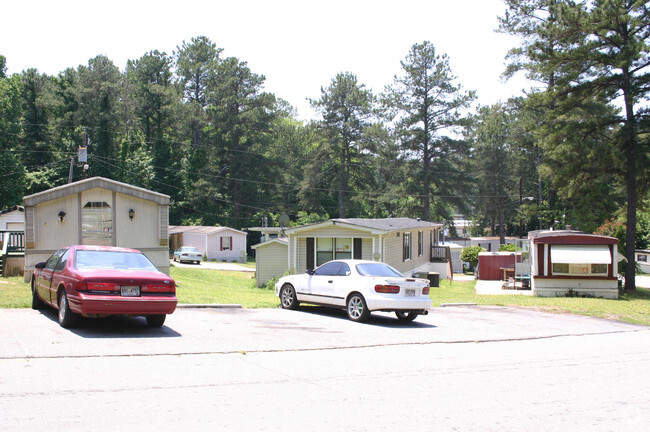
(157, 97)
(243, 114)
(99, 100)
(594, 51)
(428, 113)
(493, 162)
(346, 107)
(12, 177)
(196, 65)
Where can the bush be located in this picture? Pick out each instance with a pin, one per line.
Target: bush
(470, 254)
(510, 247)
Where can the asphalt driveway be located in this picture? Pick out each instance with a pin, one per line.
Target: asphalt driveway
(25, 333)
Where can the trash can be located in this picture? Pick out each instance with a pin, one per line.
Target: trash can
(434, 278)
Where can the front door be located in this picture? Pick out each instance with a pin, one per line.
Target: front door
(44, 282)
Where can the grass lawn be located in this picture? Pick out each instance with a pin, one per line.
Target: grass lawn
(198, 286)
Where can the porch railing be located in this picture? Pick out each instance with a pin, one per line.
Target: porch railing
(440, 254)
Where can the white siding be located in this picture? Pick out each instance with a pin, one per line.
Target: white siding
(12, 221)
(142, 230)
(543, 287)
(50, 233)
(238, 245)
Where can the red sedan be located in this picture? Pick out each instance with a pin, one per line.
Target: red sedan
(98, 281)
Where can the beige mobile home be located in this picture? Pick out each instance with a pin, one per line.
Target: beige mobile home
(96, 211)
(409, 245)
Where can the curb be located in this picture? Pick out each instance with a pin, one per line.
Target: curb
(457, 304)
(208, 306)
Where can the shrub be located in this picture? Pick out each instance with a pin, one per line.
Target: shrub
(470, 254)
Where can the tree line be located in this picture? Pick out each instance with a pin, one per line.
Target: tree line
(199, 127)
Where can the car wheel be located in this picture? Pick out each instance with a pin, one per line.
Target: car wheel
(406, 316)
(37, 303)
(156, 320)
(357, 308)
(288, 298)
(67, 318)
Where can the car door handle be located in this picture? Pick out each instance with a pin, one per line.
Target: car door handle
(330, 281)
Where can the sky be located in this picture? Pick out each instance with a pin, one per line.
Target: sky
(298, 45)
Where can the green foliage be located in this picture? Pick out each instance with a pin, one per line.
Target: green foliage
(470, 254)
(594, 115)
(509, 247)
(427, 108)
(340, 160)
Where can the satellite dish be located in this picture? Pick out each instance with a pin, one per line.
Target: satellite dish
(284, 220)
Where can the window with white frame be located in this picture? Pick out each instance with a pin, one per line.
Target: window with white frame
(328, 248)
(580, 260)
(420, 243)
(97, 224)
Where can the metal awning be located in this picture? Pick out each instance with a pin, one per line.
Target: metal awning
(581, 254)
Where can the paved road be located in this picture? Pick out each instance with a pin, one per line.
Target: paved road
(460, 368)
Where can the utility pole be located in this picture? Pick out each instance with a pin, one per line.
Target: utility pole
(70, 171)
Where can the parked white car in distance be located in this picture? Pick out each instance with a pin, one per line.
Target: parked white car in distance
(359, 287)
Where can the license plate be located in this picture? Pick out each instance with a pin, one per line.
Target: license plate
(410, 292)
(130, 291)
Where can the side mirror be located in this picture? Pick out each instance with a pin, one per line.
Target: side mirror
(40, 265)
(310, 272)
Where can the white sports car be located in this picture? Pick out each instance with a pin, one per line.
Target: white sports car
(358, 286)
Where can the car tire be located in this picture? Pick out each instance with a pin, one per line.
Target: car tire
(156, 320)
(406, 316)
(357, 308)
(288, 299)
(67, 318)
(37, 303)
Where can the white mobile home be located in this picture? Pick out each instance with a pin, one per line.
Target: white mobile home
(215, 243)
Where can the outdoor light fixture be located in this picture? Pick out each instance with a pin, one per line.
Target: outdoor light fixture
(131, 214)
(61, 215)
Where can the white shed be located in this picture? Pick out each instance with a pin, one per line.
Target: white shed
(96, 211)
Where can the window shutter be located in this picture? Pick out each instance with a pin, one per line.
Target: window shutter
(357, 248)
(231, 246)
(220, 243)
(310, 253)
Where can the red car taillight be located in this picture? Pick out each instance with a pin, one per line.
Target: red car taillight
(425, 291)
(387, 289)
(159, 288)
(99, 287)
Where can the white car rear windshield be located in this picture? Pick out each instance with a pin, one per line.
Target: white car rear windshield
(377, 269)
(88, 259)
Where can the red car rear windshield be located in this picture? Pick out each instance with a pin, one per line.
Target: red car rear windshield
(89, 259)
